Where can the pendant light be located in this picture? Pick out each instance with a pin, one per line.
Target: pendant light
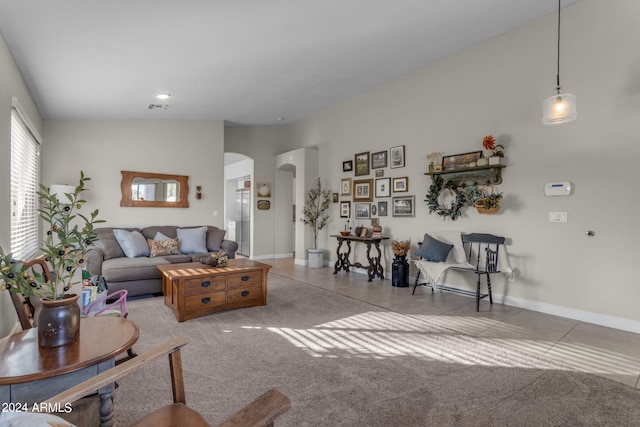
(560, 107)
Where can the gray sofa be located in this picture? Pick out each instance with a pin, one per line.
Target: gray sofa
(140, 275)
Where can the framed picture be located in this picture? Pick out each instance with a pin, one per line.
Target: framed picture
(362, 164)
(461, 161)
(335, 197)
(375, 221)
(383, 187)
(397, 156)
(264, 189)
(403, 206)
(382, 208)
(401, 185)
(363, 210)
(347, 166)
(379, 160)
(264, 205)
(374, 209)
(379, 173)
(345, 209)
(362, 190)
(345, 187)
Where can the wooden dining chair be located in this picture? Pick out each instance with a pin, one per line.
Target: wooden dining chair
(26, 308)
(261, 412)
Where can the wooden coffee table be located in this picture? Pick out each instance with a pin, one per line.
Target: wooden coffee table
(194, 289)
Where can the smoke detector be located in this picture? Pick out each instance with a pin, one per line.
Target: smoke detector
(155, 106)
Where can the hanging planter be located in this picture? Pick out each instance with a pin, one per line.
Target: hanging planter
(489, 203)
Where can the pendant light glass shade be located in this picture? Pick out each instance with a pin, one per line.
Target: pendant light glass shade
(559, 108)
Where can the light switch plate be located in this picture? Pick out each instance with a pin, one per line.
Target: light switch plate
(558, 216)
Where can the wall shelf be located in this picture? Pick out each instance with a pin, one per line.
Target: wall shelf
(478, 175)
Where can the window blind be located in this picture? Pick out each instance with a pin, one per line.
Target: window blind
(25, 151)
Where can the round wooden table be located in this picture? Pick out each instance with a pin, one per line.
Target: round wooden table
(30, 374)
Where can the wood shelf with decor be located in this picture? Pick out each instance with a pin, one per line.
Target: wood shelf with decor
(491, 174)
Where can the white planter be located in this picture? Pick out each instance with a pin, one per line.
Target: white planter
(483, 161)
(495, 160)
(315, 258)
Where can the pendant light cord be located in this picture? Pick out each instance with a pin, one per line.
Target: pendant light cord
(558, 75)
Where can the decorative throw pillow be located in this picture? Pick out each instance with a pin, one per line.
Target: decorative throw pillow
(192, 240)
(132, 243)
(434, 250)
(108, 244)
(215, 236)
(163, 247)
(160, 236)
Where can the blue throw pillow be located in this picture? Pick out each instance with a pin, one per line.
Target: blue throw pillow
(434, 250)
(192, 240)
(133, 243)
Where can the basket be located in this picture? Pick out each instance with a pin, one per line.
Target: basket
(481, 204)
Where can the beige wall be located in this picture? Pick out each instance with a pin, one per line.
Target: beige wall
(498, 88)
(11, 85)
(104, 148)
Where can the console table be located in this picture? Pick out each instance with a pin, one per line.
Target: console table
(30, 374)
(374, 269)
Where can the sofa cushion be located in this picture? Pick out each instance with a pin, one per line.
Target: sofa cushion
(192, 240)
(133, 243)
(123, 269)
(215, 236)
(178, 259)
(160, 236)
(167, 230)
(108, 244)
(163, 247)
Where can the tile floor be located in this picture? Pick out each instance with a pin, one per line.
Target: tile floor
(611, 353)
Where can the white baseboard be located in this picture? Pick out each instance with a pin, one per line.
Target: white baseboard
(298, 261)
(572, 313)
(272, 256)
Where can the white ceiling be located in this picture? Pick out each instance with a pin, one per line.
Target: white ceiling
(248, 62)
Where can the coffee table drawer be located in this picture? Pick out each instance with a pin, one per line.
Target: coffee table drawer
(248, 295)
(204, 285)
(245, 279)
(205, 302)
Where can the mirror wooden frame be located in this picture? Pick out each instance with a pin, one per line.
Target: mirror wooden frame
(125, 186)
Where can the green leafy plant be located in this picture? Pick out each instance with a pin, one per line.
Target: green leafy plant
(316, 208)
(64, 247)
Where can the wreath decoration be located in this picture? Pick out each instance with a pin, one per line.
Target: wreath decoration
(453, 210)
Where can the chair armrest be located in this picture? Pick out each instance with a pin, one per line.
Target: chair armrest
(95, 256)
(260, 412)
(111, 375)
(230, 247)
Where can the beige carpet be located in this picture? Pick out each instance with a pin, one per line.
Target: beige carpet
(343, 362)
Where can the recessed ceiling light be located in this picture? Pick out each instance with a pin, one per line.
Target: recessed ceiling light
(163, 96)
(282, 119)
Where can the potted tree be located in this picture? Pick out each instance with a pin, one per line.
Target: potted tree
(315, 214)
(64, 248)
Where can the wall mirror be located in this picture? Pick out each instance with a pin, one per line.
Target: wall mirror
(154, 190)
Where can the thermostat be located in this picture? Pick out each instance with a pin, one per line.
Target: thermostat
(557, 189)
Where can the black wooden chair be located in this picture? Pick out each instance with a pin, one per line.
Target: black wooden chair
(481, 252)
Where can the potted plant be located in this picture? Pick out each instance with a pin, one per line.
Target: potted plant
(497, 153)
(315, 214)
(64, 248)
(489, 202)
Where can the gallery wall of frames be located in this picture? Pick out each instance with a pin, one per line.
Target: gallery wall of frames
(372, 186)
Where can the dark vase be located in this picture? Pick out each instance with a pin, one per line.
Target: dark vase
(59, 321)
(400, 272)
